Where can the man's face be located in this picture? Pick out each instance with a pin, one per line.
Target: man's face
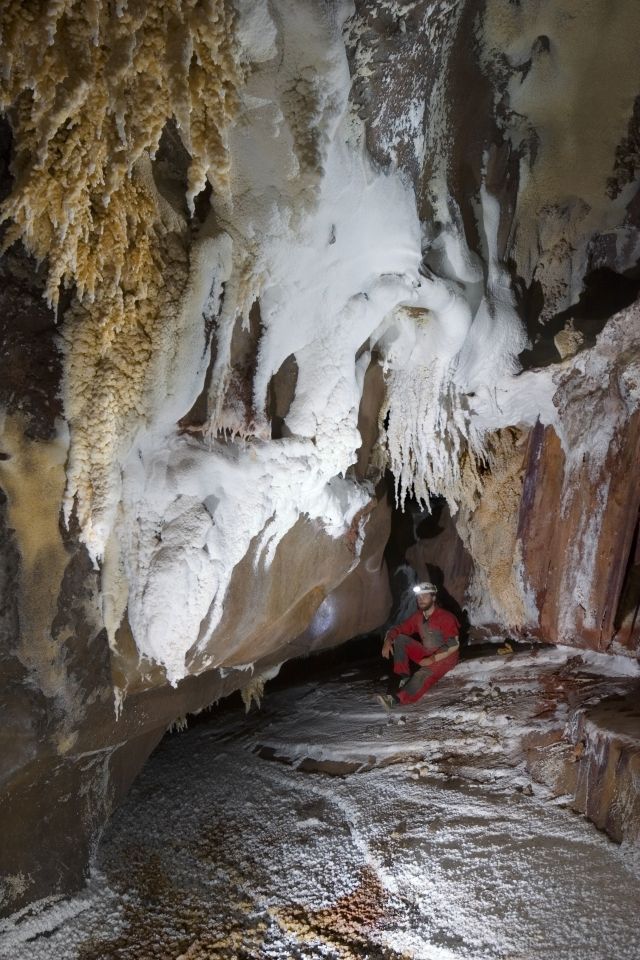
(425, 601)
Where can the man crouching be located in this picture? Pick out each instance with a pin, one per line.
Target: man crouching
(428, 639)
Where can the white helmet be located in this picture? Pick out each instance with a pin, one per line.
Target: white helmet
(425, 587)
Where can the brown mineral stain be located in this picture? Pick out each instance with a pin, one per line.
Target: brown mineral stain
(577, 92)
(160, 919)
(33, 479)
(347, 924)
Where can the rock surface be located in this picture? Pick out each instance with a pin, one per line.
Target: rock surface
(548, 545)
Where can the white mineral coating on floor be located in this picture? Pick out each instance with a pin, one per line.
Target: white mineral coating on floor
(449, 852)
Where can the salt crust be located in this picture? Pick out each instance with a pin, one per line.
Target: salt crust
(332, 247)
(472, 861)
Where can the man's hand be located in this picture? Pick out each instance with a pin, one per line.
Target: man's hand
(387, 646)
(427, 661)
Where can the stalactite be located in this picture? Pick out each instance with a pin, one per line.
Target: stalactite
(89, 88)
(430, 442)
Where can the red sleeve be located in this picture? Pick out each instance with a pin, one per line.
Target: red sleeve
(409, 626)
(448, 625)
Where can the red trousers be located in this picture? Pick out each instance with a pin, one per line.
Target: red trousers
(406, 650)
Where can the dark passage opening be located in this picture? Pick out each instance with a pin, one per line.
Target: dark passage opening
(627, 620)
(605, 293)
(425, 545)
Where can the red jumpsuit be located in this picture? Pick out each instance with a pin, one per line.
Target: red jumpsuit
(416, 638)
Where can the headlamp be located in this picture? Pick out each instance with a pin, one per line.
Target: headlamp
(425, 588)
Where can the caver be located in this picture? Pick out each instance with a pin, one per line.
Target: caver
(428, 639)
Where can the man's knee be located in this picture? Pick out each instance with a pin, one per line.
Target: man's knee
(400, 645)
(418, 680)
(400, 655)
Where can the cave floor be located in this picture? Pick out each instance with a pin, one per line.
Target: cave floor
(321, 826)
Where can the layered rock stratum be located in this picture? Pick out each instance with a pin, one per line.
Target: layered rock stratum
(261, 261)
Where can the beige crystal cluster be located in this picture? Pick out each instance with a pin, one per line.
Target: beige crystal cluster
(89, 86)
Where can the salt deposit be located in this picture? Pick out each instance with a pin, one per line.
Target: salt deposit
(441, 847)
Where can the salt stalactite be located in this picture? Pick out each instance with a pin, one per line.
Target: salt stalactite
(73, 73)
(241, 291)
(330, 255)
(110, 362)
(339, 265)
(89, 88)
(440, 356)
(427, 435)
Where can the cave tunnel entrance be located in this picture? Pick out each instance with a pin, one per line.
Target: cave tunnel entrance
(425, 545)
(604, 294)
(627, 619)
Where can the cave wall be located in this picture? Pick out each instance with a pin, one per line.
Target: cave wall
(548, 548)
(576, 553)
(577, 498)
(546, 553)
